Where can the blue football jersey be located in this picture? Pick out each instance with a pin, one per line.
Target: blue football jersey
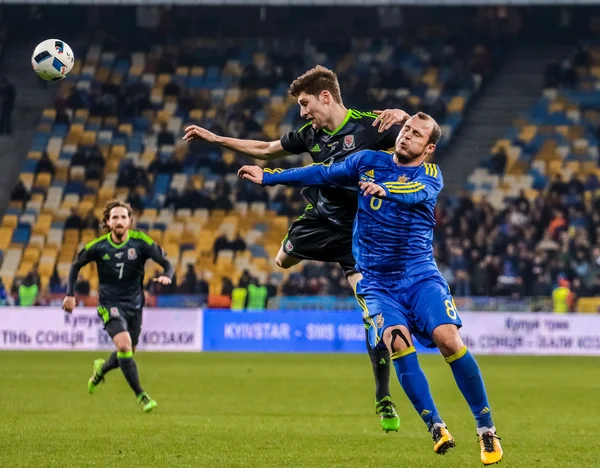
(392, 236)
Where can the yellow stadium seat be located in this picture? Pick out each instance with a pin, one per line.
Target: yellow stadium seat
(136, 70)
(156, 235)
(62, 173)
(16, 204)
(10, 221)
(82, 114)
(27, 178)
(126, 128)
(43, 180)
(151, 213)
(5, 237)
(71, 237)
(49, 113)
(88, 138)
(31, 254)
(24, 268)
(7, 280)
(554, 166)
(117, 152)
(46, 269)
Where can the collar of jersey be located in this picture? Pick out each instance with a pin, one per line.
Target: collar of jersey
(117, 246)
(342, 125)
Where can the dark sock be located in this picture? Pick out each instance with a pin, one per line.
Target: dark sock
(129, 369)
(380, 360)
(111, 363)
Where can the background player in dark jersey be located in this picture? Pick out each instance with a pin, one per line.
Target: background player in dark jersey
(120, 257)
(324, 231)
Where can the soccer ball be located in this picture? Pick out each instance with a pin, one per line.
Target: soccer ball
(52, 59)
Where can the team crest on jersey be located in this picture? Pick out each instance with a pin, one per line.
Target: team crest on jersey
(131, 254)
(119, 255)
(349, 142)
(288, 245)
(403, 179)
(114, 312)
(379, 321)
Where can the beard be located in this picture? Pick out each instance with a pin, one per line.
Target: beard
(405, 158)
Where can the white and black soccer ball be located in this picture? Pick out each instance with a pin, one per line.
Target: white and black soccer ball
(52, 59)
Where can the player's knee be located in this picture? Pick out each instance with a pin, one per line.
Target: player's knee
(123, 342)
(447, 339)
(397, 338)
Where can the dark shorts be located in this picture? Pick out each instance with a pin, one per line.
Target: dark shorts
(312, 238)
(117, 320)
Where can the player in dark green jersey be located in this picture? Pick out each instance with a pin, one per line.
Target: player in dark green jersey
(324, 231)
(120, 256)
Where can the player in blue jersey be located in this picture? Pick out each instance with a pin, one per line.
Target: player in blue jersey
(402, 292)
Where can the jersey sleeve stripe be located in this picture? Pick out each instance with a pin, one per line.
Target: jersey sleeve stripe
(407, 190)
(91, 243)
(398, 185)
(272, 171)
(141, 236)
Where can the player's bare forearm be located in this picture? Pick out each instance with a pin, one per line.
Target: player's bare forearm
(262, 150)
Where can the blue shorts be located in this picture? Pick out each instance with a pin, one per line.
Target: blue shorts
(421, 303)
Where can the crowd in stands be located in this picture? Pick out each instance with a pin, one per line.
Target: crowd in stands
(141, 102)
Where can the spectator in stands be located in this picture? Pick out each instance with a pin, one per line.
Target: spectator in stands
(91, 221)
(82, 286)
(8, 96)
(141, 179)
(271, 288)
(202, 286)
(498, 163)
(74, 101)
(172, 89)
(62, 117)
(227, 287)
(20, 192)
(74, 221)
(127, 173)
(28, 291)
(3, 295)
(165, 137)
(135, 200)
(188, 286)
(45, 165)
(57, 284)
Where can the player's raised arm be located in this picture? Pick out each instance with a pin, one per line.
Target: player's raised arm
(263, 150)
(83, 258)
(341, 174)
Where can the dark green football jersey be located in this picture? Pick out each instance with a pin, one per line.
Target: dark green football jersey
(356, 133)
(120, 268)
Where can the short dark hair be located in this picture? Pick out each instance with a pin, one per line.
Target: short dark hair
(436, 131)
(315, 81)
(108, 208)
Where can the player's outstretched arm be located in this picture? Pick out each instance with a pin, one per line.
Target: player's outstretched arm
(263, 150)
(340, 174)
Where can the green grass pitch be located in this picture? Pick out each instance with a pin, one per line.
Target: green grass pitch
(270, 410)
